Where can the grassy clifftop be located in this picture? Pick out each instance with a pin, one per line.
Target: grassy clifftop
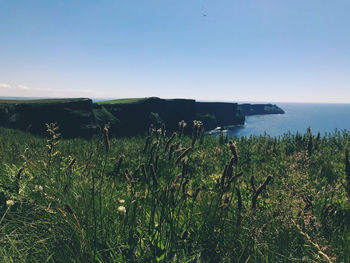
(121, 101)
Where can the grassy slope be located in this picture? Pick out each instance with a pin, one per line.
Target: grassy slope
(70, 199)
(120, 101)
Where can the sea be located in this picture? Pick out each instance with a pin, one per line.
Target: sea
(325, 118)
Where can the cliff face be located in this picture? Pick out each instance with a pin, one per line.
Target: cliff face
(260, 109)
(136, 117)
(82, 118)
(75, 118)
(220, 114)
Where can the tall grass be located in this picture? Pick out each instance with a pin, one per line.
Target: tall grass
(174, 199)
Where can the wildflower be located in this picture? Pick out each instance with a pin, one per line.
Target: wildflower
(38, 188)
(122, 209)
(121, 201)
(182, 124)
(10, 203)
(215, 177)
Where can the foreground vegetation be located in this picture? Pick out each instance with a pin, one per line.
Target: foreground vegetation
(171, 198)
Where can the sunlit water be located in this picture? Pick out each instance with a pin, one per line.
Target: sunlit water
(323, 118)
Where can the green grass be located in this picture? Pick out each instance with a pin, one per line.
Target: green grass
(161, 198)
(121, 101)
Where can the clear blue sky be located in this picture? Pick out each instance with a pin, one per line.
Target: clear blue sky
(228, 50)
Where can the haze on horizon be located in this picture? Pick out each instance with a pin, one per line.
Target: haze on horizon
(243, 50)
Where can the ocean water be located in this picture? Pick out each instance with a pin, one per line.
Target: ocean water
(321, 117)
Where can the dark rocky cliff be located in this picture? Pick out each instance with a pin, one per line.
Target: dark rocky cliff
(260, 109)
(75, 117)
(82, 118)
(136, 117)
(215, 114)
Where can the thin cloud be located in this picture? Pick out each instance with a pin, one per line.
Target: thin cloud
(63, 90)
(5, 86)
(23, 87)
(24, 90)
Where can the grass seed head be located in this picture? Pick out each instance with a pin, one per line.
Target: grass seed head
(169, 141)
(106, 138)
(163, 130)
(183, 155)
(182, 125)
(234, 151)
(196, 130)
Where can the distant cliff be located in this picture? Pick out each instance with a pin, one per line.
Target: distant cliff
(127, 117)
(260, 109)
(75, 117)
(135, 116)
(215, 114)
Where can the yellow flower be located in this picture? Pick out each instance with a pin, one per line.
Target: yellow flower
(38, 188)
(121, 201)
(215, 177)
(122, 209)
(10, 203)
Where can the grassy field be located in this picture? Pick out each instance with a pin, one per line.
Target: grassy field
(170, 198)
(121, 101)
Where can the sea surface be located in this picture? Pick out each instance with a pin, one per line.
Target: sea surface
(323, 118)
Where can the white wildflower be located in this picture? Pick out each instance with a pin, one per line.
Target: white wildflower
(122, 209)
(121, 201)
(38, 188)
(10, 203)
